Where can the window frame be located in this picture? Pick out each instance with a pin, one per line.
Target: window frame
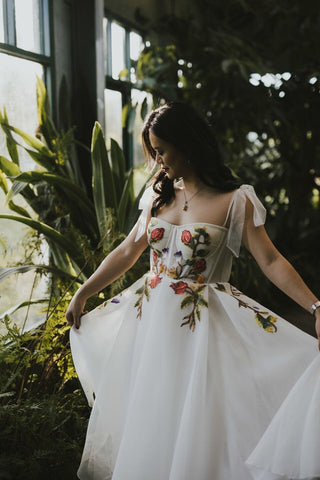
(45, 58)
(122, 86)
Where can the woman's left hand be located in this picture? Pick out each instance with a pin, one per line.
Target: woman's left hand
(317, 326)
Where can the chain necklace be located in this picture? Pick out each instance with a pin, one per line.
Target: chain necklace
(186, 201)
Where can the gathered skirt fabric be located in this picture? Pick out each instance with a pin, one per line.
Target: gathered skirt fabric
(232, 396)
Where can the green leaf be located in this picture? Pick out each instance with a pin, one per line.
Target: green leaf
(202, 302)
(144, 108)
(11, 144)
(126, 199)
(33, 142)
(3, 182)
(75, 196)
(118, 167)
(20, 210)
(21, 305)
(186, 301)
(8, 167)
(46, 125)
(220, 287)
(49, 232)
(124, 117)
(8, 271)
(104, 194)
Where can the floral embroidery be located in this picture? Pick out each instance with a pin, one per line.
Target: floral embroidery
(110, 300)
(142, 292)
(155, 280)
(193, 298)
(193, 266)
(263, 318)
(186, 237)
(156, 235)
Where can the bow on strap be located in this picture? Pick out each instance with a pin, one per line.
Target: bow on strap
(144, 205)
(237, 208)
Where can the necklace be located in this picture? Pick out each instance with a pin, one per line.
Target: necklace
(186, 201)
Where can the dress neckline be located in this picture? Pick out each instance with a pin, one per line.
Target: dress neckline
(189, 223)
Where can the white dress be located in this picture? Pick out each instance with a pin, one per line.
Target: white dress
(187, 372)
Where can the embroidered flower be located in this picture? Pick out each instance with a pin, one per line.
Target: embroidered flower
(201, 278)
(172, 272)
(200, 265)
(155, 280)
(157, 234)
(179, 287)
(115, 300)
(165, 250)
(186, 236)
(154, 256)
(178, 254)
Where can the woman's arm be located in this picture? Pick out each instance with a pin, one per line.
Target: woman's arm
(113, 266)
(276, 267)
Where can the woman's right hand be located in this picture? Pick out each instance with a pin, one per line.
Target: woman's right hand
(75, 310)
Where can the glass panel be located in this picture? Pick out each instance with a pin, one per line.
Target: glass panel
(118, 35)
(1, 22)
(28, 25)
(105, 49)
(136, 45)
(18, 95)
(137, 98)
(113, 115)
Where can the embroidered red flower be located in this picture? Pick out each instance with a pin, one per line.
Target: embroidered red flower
(157, 234)
(155, 256)
(200, 265)
(186, 236)
(179, 287)
(154, 281)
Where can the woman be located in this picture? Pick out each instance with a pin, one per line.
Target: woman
(186, 371)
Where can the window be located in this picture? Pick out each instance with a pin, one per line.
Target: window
(24, 55)
(123, 46)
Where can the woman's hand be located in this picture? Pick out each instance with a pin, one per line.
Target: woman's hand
(317, 326)
(75, 310)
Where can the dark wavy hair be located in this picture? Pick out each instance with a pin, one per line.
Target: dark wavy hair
(181, 125)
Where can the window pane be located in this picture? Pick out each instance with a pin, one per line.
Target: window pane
(113, 115)
(105, 50)
(118, 35)
(1, 22)
(18, 95)
(28, 25)
(137, 97)
(136, 45)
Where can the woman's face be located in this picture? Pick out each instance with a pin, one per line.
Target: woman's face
(172, 161)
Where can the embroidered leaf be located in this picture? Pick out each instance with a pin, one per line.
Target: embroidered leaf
(198, 314)
(190, 261)
(200, 289)
(187, 300)
(201, 253)
(221, 287)
(140, 290)
(202, 302)
(266, 323)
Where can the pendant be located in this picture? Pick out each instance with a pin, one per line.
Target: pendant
(185, 207)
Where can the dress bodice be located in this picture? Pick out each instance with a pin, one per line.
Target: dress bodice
(199, 252)
(190, 252)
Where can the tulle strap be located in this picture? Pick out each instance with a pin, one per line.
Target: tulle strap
(237, 208)
(144, 205)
